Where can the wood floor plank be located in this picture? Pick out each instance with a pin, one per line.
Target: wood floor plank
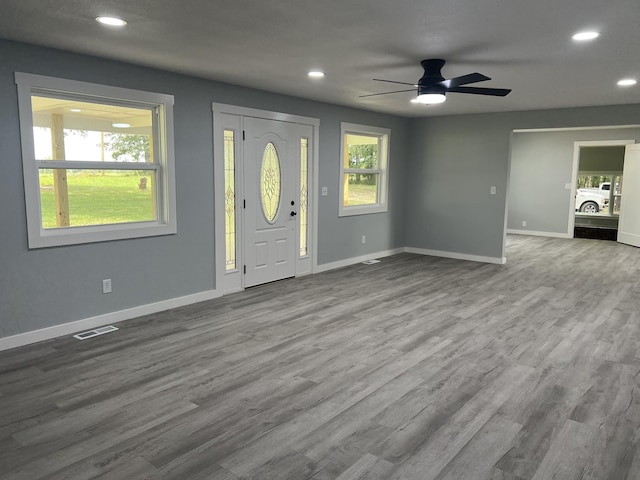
(289, 433)
(540, 429)
(317, 443)
(568, 456)
(497, 474)
(118, 469)
(414, 368)
(478, 457)
(369, 467)
(56, 454)
(443, 446)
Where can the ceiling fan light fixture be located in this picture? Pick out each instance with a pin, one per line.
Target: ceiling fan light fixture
(111, 21)
(431, 98)
(586, 36)
(627, 82)
(433, 87)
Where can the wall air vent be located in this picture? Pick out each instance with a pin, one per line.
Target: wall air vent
(96, 332)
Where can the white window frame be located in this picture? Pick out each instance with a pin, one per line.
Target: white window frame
(164, 166)
(384, 135)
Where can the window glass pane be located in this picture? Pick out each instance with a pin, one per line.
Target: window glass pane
(597, 182)
(96, 197)
(617, 180)
(270, 182)
(230, 199)
(360, 189)
(304, 178)
(361, 151)
(364, 169)
(618, 185)
(76, 130)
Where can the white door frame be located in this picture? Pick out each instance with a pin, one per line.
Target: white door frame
(219, 110)
(574, 173)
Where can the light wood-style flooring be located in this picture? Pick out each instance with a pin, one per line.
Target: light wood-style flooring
(414, 368)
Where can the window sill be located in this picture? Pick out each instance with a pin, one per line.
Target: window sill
(103, 233)
(361, 210)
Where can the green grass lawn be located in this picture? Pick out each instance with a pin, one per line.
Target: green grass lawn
(96, 199)
(362, 194)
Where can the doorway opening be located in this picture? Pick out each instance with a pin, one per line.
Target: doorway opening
(598, 191)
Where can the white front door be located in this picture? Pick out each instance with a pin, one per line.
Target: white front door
(271, 170)
(629, 224)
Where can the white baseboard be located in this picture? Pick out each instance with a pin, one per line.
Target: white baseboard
(457, 256)
(538, 234)
(233, 290)
(628, 238)
(351, 261)
(100, 320)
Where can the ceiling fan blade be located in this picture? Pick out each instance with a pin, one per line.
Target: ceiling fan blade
(464, 80)
(393, 81)
(386, 93)
(496, 92)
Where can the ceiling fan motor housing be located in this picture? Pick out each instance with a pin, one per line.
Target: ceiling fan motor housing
(432, 71)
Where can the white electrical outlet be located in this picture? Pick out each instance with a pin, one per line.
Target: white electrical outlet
(567, 186)
(106, 285)
(524, 223)
(325, 191)
(364, 239)
(493, 190)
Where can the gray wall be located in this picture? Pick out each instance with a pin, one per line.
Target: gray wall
(454, 161)
(541, 165)
(45, 287)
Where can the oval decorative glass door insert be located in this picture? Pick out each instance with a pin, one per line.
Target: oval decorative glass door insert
(270, 182)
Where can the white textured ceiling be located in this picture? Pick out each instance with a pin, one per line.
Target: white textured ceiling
(524, 45)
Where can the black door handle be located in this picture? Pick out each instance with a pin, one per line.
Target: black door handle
(293, 214)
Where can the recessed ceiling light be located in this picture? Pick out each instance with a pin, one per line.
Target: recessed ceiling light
(111, 21)
(120, 125)
(316, 74)
(586, 36)
(627, 82)
(75, 110)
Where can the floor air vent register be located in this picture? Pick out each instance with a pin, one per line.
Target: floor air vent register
(96, 332)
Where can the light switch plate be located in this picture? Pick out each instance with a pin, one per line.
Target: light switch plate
(493, 190)
(325, 191)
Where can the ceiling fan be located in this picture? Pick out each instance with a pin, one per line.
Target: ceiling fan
(433, 87)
